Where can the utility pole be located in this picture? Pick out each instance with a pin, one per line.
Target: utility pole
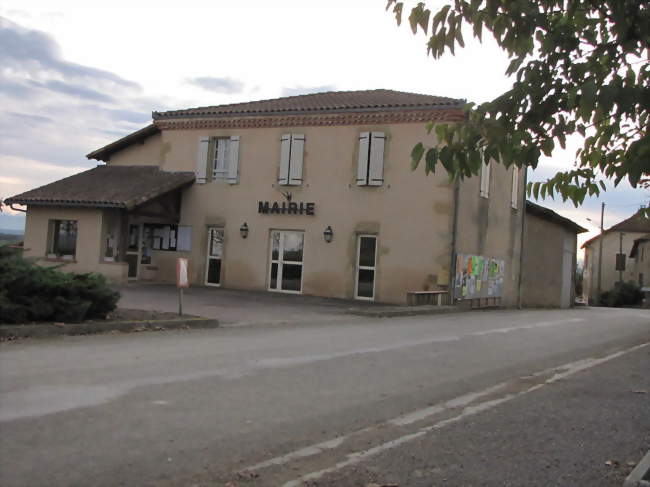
(600, 253)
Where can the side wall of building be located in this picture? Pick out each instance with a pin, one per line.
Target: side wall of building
(89, 240)
(547, 273)
(641, 264)
(491, 227)
(150, 152)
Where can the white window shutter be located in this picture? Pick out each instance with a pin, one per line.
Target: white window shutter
(515, 187)
(233, 160)
(362, 167)
(296, 158)
(202, 160)
(376, 159)
(485, 180)
(285, 153)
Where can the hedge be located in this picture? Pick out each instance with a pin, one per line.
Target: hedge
(29, 292)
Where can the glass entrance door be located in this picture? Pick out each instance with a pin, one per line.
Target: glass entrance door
(285, 273)
(366, 267)
(215, 256)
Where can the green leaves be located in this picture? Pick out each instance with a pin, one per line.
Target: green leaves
(419, 17)
(431, 159)
(579, 68)
(416, 155)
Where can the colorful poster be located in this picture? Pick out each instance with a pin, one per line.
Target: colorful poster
(478, 276)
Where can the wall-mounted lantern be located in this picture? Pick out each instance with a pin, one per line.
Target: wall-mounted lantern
(328, 234)
(243, 230)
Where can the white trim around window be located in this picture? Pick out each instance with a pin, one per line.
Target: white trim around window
(365, 268)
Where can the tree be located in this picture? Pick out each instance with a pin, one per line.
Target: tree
(579, 66)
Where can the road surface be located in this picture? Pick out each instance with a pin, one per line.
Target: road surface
(287, 405)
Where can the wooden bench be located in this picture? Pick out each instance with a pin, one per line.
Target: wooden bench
(418, 298)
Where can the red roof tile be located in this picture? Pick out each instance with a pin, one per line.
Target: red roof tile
(106, 186)
(329, 102)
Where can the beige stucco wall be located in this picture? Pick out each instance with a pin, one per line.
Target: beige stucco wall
(610, 276)
(410, 214)
(491, 227)
(641, 263)
(150, 152)
(543, 268)
(89, 235)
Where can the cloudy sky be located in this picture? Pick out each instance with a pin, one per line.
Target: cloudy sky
(74, 76)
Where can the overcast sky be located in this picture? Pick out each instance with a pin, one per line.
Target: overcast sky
(74, 77)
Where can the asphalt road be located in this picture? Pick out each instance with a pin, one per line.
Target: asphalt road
(321, 404)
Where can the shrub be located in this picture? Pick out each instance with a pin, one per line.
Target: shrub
(29, 292)
(623, 294)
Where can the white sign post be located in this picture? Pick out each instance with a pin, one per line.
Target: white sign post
(181, 281)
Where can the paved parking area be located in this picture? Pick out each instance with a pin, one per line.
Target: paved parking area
(237, 307)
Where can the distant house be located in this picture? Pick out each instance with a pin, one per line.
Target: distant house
(549, 259)
(623, 236)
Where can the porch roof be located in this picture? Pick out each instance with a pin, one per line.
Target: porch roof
(106, 186)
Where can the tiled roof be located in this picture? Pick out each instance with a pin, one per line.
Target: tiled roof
(329, 102)
(637, 223)
(106, 186)
(105, 152)
(550, 215)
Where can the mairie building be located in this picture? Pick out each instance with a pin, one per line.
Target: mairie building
(310, 194)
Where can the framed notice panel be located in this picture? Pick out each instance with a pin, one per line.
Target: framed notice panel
(478, 276)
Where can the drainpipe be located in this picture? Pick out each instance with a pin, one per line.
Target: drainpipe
(454, 232)
(521, 250)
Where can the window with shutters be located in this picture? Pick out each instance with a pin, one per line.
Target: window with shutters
(514, 199)
(370, 168)
(218, 159)
(292, 148)
(485, 180)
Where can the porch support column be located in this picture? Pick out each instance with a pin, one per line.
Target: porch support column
(124, 235)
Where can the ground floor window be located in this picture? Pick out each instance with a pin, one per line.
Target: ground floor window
(366, 267)
(63, 239)
(285, 273)
(215, 257)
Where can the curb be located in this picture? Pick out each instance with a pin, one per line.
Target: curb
(49, 330)
(397, 311)
(640, 476)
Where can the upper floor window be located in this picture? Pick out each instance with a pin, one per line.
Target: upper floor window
(292, 148)
(370, 169)
(218, 157)
(485, 180)
(62, 240)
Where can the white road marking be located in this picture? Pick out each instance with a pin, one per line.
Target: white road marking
(403, 420)
(353, 458)
(541, 324)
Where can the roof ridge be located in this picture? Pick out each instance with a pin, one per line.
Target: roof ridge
(303, 96)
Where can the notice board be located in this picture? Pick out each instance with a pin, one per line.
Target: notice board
(478, 276)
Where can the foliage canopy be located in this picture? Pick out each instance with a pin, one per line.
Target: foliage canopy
(579, 67)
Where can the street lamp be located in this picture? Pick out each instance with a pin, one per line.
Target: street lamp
(328, 234)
